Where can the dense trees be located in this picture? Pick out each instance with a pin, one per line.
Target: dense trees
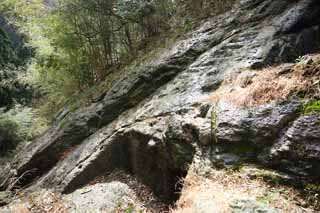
(18, 121)
(109, 33)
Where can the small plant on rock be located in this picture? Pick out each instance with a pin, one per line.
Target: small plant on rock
(312, 106)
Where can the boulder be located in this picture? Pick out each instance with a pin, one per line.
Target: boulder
(298, 150)
(100, 197)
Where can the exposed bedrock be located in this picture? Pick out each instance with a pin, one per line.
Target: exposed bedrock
(153, 121)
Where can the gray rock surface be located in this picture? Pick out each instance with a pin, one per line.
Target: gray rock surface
(100, 197)
(260, 125)
(152, 121)
(299, 148)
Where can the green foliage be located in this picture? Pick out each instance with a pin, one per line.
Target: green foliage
(22, 53)
(9, 134)
(20, 124)
(312, 106)
(7, 54)
(130, 208)
(11, 88)
(5, 49)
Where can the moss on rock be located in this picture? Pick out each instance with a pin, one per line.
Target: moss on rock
(312, 106)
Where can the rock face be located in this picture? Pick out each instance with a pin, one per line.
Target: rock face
(106, 197)
(299, 147)
(153, 121)
(245, 133)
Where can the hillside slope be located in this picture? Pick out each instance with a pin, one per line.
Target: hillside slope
(166, 112)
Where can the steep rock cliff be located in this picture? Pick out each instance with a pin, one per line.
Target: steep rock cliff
(156, 119)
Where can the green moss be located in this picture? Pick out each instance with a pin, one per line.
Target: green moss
(312, 106)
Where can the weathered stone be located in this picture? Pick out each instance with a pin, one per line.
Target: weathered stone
(299, 148)
(231, 123)
(139, 148)
(268, 121)
(260, 125)
(100, 197)
(180, 137)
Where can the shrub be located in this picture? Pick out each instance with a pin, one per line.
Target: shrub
(8, 134)
(20, 124)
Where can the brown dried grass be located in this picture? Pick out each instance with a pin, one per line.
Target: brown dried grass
(223, 186)
(253, 88)
(42, 202)
(143, 201)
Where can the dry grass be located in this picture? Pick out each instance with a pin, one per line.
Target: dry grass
(213, 192)
(41, 202)
(221, 187)
(143, 200)
(257, 87)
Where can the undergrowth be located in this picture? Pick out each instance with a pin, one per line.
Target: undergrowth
(20, 124)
